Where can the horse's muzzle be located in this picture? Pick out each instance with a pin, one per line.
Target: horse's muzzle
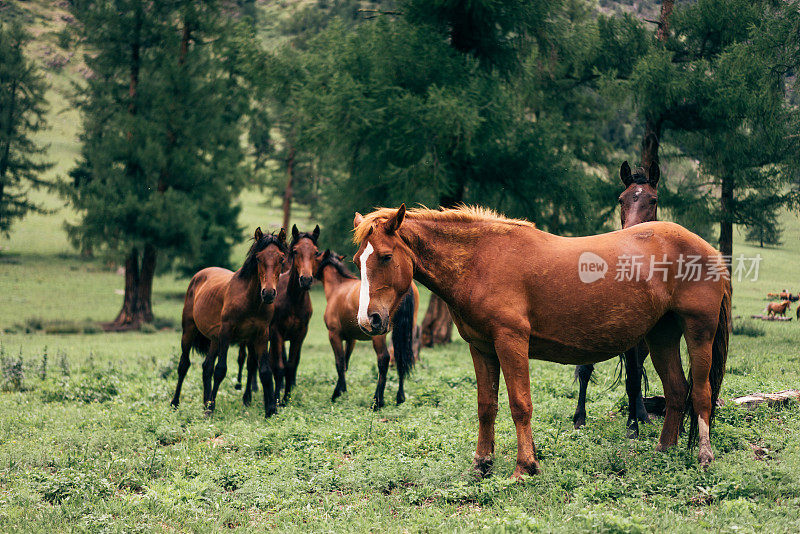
(377, 325)
(268, 295)
(305, 282)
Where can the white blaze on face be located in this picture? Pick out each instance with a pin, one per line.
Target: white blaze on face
(363, 296)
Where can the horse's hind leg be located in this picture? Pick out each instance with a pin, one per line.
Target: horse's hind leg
(208, 370)
(634, 361)
(699, 341)
(221, 368)
(664, 342)
(379, 344)
(242, 359)
(189, 332)
(584, 375)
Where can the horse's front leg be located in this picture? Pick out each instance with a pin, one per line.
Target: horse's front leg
(487, 375)
(221, 368)
(241, 361)
(379, 344)
(512, 351)
(261, 345)
(338, 354)
(295, 346)
(276, 359)
(584, 375)
(252, 373)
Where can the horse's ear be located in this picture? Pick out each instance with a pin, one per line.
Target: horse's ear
(282, 235)
(325, 255)
(315, 234)
(396, 220)
(259, 234)
(625, 174)
(295, 232)
(357, 220)
(653, 174)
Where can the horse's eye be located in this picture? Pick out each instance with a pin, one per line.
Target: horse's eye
(621, 201)
(385, 258)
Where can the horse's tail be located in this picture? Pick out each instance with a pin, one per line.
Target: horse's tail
(719, 355)
(201, 343)
(402, 335)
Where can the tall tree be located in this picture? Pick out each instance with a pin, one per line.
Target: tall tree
(161, 155)
(445, 102)
(22, 114)
(719, 86)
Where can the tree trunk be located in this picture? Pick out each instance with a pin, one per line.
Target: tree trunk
(137, 307)
(726, 219)
(287, 193)
(437, 326)
(663, 19)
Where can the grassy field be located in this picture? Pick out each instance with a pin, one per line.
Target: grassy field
(89, 443)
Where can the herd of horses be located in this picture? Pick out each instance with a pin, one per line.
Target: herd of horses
(510, 289)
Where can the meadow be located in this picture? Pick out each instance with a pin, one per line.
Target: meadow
(88, 441)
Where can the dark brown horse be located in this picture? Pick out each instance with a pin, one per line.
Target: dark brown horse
(342, 294)
(638, 204)
(292, 311)
(510, 289)
(222, 307)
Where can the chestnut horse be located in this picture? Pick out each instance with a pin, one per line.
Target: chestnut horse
(775, 308)
(510, 289)
(638, 204)
(292, 311)
(222, 307)
(341, 317)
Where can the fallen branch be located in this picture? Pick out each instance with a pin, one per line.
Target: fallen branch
(771, 317)
(773, 399)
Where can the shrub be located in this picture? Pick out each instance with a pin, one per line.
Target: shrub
(748, 328)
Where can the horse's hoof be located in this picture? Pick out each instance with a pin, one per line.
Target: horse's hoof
(173, 405)
(632, 431)
(705, 457)
(376, 404)
(335, 395)
(482, 466)
(237, 386)
(246, 402)
(401, 398)
(579, 421)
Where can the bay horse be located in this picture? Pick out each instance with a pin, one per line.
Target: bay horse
(510, 289)
(775, 308)
(292, 311)
(638, 204)
(222, 307)
(341, 317)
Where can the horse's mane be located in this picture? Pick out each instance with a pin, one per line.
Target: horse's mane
(250, 262)
(461, 214)
(333, 261)
(639, 176)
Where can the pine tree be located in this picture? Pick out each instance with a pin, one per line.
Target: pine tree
(22, 114)
(161, 155)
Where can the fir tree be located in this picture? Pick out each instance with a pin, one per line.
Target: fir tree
(22, 114)
(161, 157)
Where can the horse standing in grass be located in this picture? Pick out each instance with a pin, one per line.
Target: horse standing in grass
(775, 308)
(510, 289)
(222, 307)
(638, 204)
(292, 311)
(341, 317)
